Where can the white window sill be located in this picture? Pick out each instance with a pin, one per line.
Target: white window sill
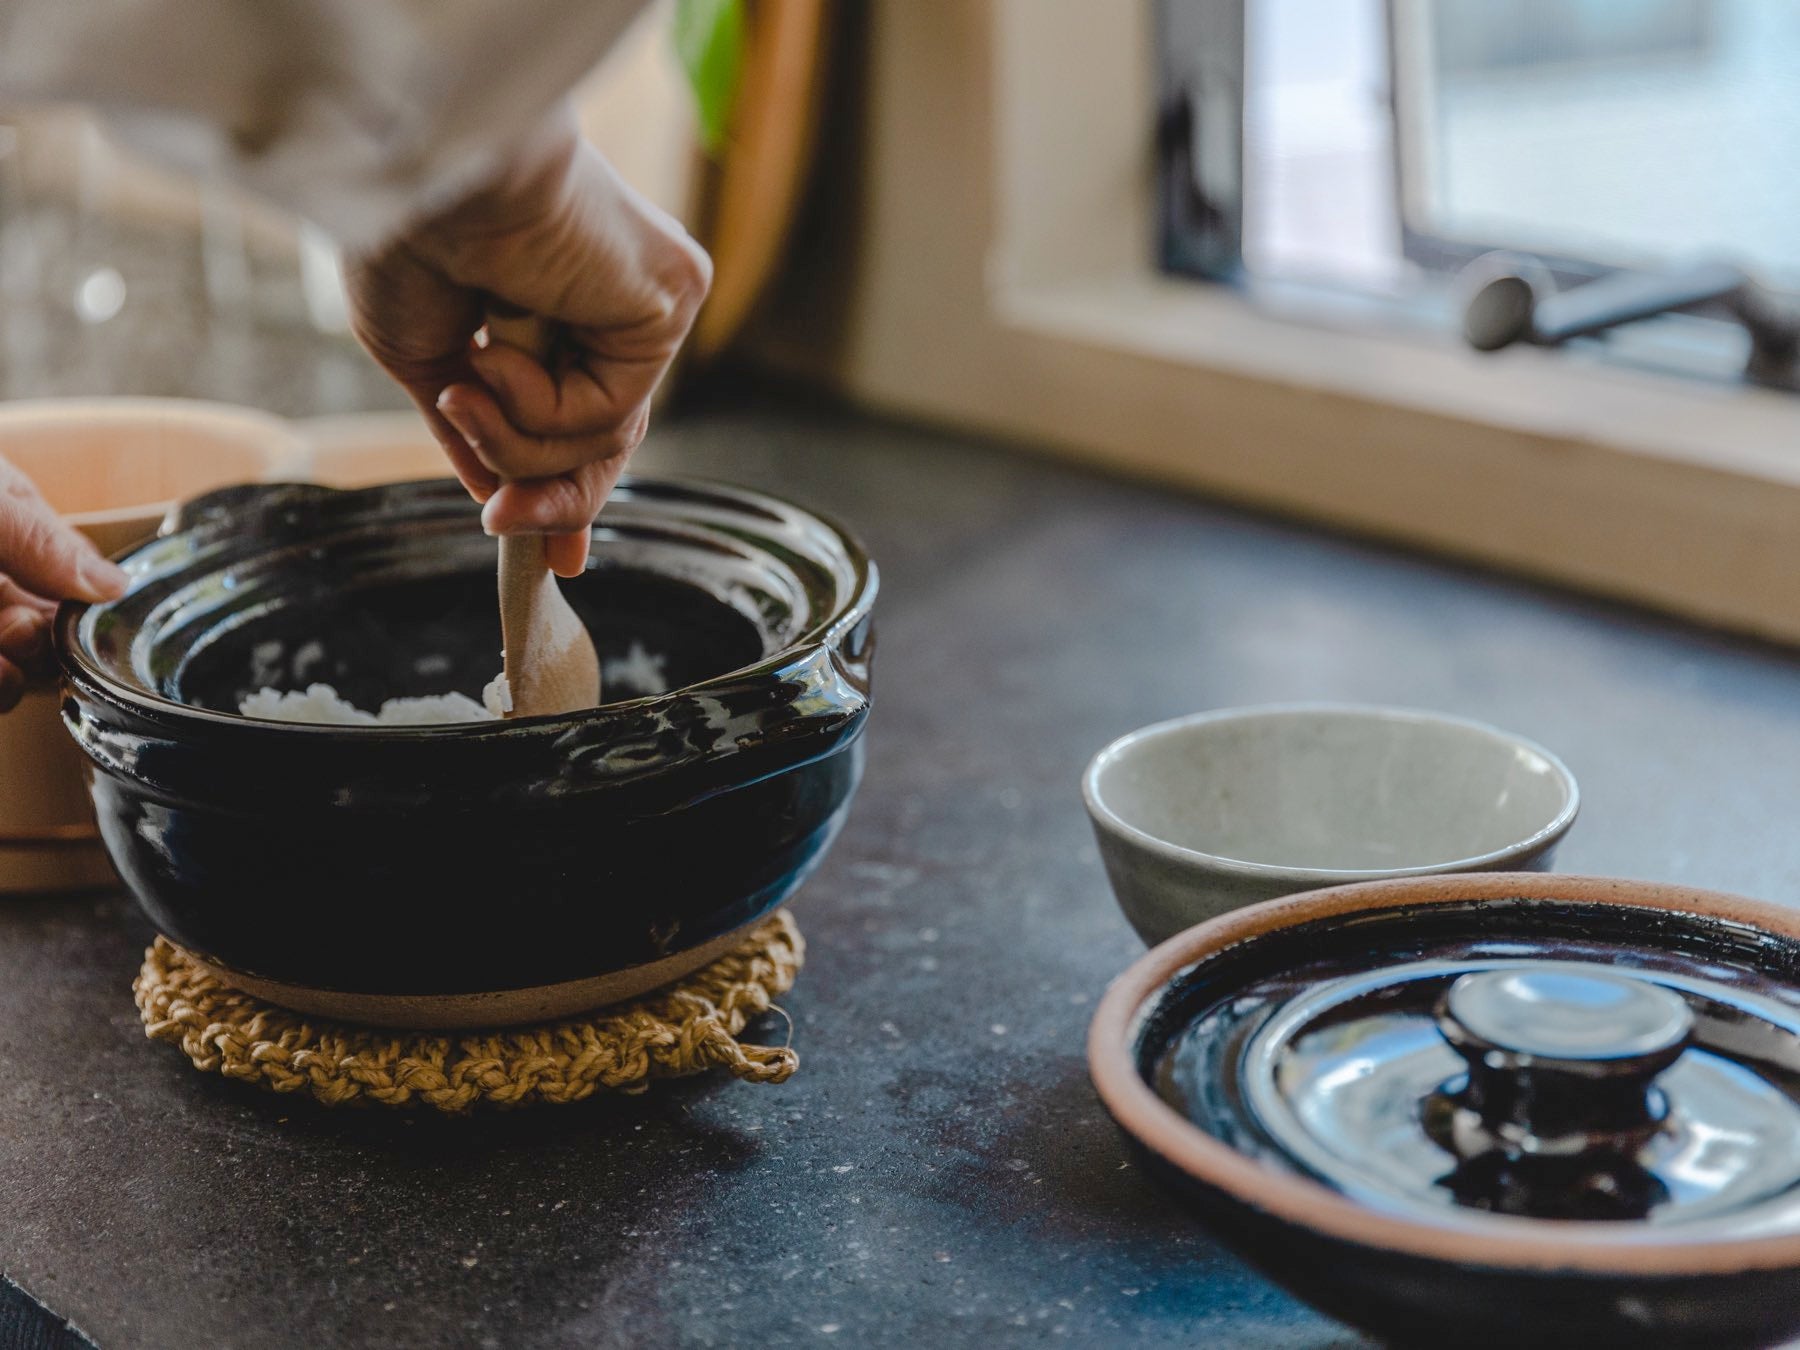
(1678, 494)
(1544, 394)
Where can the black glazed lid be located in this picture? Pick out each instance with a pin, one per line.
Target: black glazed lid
(1543, 1072)
(1471, 1084)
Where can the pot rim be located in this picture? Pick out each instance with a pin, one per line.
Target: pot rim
(79, 667)
(1137, 837)
(1593, 1248)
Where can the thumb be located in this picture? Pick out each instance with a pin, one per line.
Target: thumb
(44, 555)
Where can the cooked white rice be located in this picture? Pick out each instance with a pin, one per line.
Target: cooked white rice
(639, 671)
(322, 704)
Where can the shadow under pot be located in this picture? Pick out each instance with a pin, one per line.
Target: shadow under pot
(485, 872)
(1484, 1110)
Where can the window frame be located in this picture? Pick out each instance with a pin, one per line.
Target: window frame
(1200, 195)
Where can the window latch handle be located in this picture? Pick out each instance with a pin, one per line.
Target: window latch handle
(1510, 297)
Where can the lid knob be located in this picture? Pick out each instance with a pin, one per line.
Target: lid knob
(1562, 1061)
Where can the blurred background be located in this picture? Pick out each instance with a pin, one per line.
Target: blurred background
(1353, 148)
(1161, 235)
(120, 277)
(1616, 134)
(1387, 143)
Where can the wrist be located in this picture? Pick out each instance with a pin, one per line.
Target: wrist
(530, 186)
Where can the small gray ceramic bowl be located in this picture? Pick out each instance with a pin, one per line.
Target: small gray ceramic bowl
(1207, 813)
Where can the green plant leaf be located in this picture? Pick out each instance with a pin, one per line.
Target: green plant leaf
(709, 39)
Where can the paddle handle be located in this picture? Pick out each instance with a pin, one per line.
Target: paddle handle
(534, 616)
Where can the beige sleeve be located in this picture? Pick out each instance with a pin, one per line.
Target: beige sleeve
(354, 113)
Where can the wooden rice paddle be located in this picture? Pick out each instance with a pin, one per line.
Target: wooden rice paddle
(551, 666)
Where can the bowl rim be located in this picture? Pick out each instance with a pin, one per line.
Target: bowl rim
(1518, 850)
(110, 409)
(77, 664)
(1593, 1247)
(280, 447)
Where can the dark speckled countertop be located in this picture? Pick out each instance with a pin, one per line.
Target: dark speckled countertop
(939, 1171)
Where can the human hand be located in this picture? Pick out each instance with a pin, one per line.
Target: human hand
(42, 561)
(559, 235)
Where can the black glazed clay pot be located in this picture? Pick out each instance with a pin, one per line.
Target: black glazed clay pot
(1333, 1003)
(486, 872)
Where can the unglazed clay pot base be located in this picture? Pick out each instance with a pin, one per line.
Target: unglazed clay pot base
(498, 1008)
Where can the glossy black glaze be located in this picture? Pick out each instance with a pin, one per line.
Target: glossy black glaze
(1404, 1300)
(1524, 1099)
(1192, 1037)
(481, 856)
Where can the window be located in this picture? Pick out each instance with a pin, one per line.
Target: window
(994, 224)
(1371, 149)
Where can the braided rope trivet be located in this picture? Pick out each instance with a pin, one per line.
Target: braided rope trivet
(684, 1028)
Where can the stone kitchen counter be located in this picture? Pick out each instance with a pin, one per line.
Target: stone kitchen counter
(939, 1170)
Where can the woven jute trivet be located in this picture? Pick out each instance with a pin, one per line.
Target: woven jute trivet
(683, 1028)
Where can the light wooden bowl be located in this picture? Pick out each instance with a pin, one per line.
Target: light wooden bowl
(112, 467)
(365, 449)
